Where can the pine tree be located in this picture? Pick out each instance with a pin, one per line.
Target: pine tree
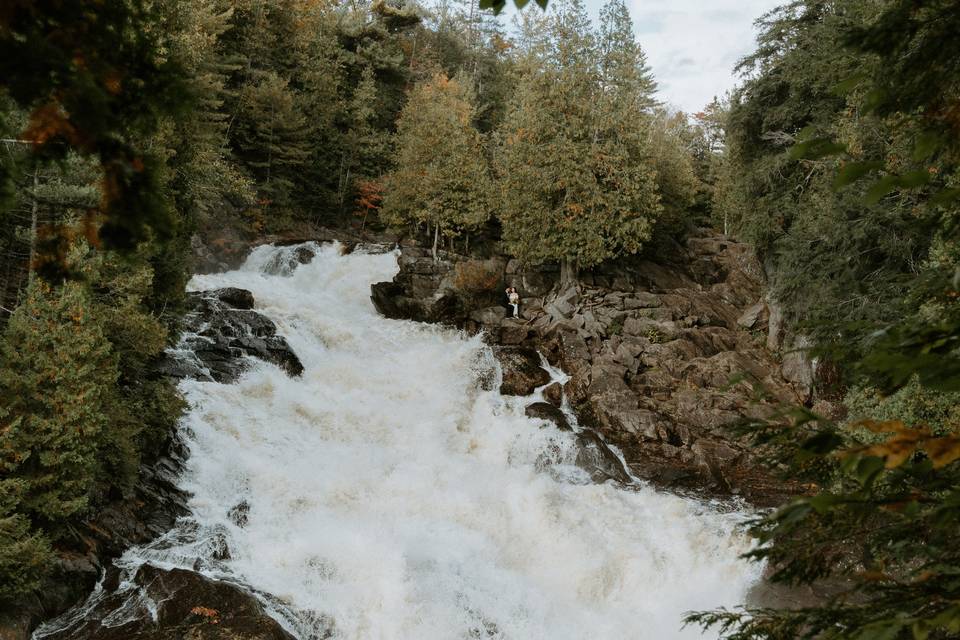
(362, 144)
(272, 136)
(25, 554)
(623, 64)
(55, 383)
(441, 177)
(571, 159)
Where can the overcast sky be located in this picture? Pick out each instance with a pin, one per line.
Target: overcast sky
(692, 45)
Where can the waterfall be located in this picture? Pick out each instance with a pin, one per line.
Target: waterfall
(385, 494)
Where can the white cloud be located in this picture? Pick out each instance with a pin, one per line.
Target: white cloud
(693, 45)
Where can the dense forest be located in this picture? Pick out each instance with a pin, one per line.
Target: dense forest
(132, 132)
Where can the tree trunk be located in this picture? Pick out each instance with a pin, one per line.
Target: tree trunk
(34, 209)
(436, 238)
(568, 273)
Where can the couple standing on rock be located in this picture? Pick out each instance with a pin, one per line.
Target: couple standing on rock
(513, 302)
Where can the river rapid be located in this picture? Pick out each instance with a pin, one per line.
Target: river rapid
(386, 495)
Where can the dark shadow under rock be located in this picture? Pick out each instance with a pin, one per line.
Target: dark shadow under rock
(548, 412)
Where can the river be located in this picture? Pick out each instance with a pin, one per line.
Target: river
(388, 496)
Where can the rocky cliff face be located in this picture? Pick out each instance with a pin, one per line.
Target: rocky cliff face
(662, 355)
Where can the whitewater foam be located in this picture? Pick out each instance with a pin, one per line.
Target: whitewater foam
(392, 498)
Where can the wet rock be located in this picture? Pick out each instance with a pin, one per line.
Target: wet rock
(554, 394)
(513, 332)
(522, 372)
(285, 262)
(221, 329)
(385, 297)
(175, 604)
(548, 412)
(233, 297)
(370, 248)
(574, 358)
(239, 514)
(596, 458)
(490, 316)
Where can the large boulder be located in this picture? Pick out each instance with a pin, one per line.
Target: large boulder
(286, 261)
(522, 372)
(755, 315)
(385, 296)
(174, 604)
(595, 457)
(548, 412)
(554, 394)
(221, 329)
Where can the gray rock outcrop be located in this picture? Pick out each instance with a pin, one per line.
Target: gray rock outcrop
(663, 356)
(220, 330)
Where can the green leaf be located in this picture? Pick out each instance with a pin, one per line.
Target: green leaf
(874, 99)
(927, 143)
(883, 630)
(816, 149)
(821, 443)
(824, 502)
(853, 171)
(496, 5)
(880, 189)
(793, 512)
(946, 196)
(867, 470)
(844, 87)
(914, 179)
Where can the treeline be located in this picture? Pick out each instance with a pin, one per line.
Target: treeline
(566, 148)
(132, 129)
(842, 167)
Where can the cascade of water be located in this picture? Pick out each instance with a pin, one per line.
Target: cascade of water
(385, 494)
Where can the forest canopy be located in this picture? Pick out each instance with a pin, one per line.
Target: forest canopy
(134, 131)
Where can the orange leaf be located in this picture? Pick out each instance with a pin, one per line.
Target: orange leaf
(942, 451)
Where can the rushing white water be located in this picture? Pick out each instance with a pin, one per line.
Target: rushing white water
(392, 497)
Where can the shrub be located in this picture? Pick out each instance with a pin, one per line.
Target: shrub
(476, 277)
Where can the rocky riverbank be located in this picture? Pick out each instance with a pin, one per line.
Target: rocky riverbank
(220, 333)
(663, 355)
